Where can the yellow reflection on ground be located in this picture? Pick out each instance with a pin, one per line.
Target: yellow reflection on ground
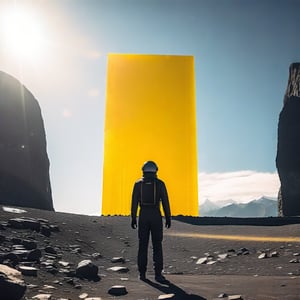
(235, 237)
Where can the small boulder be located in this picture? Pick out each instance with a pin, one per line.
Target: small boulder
(117, 290)
(86, 269)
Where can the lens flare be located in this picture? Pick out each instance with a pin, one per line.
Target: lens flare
(23, 34)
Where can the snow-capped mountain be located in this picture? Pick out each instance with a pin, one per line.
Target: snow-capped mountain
(263, 207)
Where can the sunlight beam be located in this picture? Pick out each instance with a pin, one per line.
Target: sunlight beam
(23, 34)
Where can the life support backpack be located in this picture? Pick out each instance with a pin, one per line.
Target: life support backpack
(148, 192)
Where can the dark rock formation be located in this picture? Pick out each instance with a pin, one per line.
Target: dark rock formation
(288, 146)
(24, 164)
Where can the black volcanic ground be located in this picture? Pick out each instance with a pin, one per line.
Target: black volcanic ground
(237, 271)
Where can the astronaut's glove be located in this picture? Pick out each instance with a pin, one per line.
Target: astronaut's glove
(133, 223)
(168, 222)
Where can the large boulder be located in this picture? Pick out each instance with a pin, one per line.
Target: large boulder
(24, 163)
(12, 285)
(288, 147)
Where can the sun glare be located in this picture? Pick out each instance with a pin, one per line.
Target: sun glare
(23, 35)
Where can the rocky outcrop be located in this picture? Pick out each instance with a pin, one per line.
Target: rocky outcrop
(288, 146)
(24, 163)
(12, 285)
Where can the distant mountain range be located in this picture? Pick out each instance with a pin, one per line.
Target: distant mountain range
(263, 207)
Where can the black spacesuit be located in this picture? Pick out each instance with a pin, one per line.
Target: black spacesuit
(147, 193)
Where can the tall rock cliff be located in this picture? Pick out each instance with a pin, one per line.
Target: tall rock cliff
(288, 146)
(24, 163)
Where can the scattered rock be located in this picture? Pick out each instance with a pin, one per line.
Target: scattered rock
(48, 287)
(166, 296)
(274, 254)
(32, 286)
(223, 295)
(54, 228)
(83, 295)
(223, 256)
(14, 210)
(64, 263)
(45, 230)
(119, 269)
(235, 297)
(21, 254)
(28, 271)
(117, 260)
(294, 260)
(29, 245)
(243, 251)
(2, 238)
(202, 261)
(42, 297)
(263, 255)
(34, 255)
(68, 272)
(86, 269)
(117, 290)
(50, 250)
(124, 278)
(25, 223)
(78, 286)
(96, 255)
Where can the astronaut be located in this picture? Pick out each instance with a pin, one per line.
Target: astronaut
(147, 193)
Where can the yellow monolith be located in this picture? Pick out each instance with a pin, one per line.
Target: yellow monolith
(150, 115)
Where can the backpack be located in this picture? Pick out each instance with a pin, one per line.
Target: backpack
(148, 192)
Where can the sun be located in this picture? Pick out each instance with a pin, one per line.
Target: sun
(23, 34)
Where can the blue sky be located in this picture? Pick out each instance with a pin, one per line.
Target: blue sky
(242, 52)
